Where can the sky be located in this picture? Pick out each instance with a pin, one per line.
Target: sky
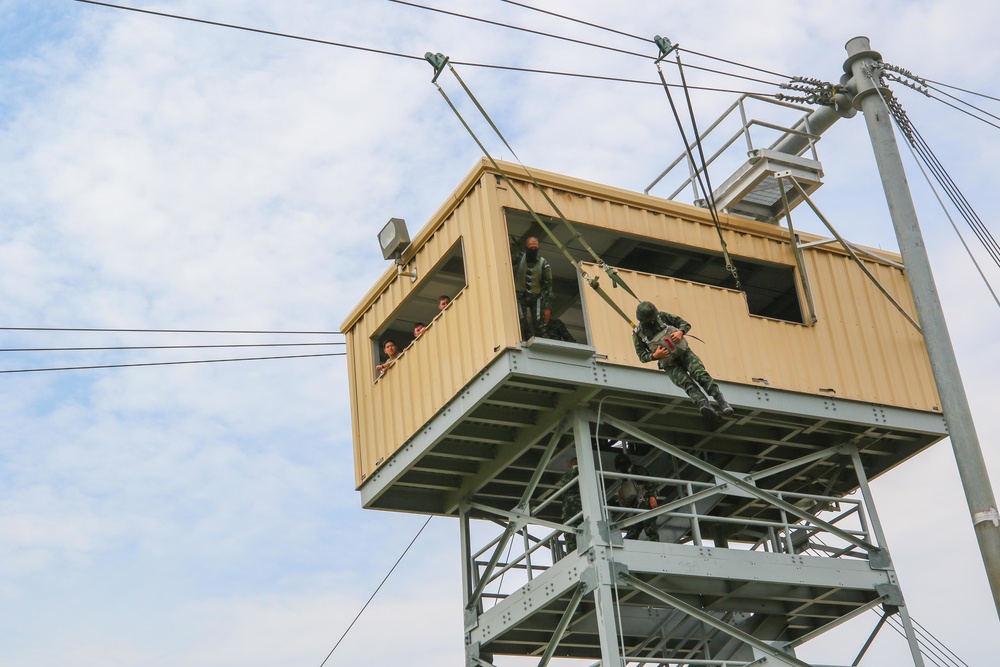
(163, 174)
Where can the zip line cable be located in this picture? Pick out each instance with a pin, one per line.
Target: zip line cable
(391, 570)
(156, 347)
(705, 185)
(404, 55)
(439, 61)
(168, 363)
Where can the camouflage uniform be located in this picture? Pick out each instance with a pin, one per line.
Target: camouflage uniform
(571, 505)
(555, 329)
(641, 501)
(533, 286)
(684, 368)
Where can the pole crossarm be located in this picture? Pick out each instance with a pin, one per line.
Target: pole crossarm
(739, 483)
(850, 250)
(710, 620)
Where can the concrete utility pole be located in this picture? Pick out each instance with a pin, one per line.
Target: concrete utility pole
(862, 63)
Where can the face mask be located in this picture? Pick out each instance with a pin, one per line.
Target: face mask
(532, 254)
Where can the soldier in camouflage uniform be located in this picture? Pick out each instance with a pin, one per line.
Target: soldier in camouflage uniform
(571, 505)
(556, 330)
(682, 365)
(636, 494)
(533, 286)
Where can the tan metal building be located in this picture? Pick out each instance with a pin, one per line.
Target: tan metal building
(858, 348)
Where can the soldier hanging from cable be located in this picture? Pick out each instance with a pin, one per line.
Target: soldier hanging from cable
(533, 285)
(660, 336)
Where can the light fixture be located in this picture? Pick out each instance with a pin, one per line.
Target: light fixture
(394, 239)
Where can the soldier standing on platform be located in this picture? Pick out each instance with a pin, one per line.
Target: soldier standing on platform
(533, 286)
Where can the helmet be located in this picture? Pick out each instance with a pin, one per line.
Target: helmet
(645, 312)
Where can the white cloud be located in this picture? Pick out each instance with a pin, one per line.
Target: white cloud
(162, 174)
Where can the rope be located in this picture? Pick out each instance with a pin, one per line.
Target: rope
(438, 62)
(706, 185)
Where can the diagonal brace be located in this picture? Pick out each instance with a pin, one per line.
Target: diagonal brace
(560, 630)
(740, 484)
(708, 619)
(850, 251)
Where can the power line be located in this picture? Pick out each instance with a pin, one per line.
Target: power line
(391, 570)
(971, 92)
(522, 29)
(645, 39)
(220, 24)
(960, 100)
(168, 363)
(734, 62)
(580, 21)
(205, 331)
(400, 55)
(157, 347)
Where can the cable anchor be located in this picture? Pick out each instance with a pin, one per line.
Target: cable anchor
(438, 62)
(665, 46)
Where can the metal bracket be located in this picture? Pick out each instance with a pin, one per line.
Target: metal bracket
(665, 47)
(438, 62)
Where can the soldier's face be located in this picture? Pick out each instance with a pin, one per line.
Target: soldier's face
(390, 349)
(532, 244)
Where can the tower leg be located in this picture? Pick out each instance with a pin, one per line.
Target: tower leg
(597, 539)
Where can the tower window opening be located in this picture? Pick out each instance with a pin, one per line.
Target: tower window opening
(423, 306)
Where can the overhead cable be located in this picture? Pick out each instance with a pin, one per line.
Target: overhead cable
(646, 39)
(156, 347)
(205, 331)
(964, 90)
(168, 363)
(575, 20)
(402, 55)
(519, 28)
(944, 208)
(384, 579)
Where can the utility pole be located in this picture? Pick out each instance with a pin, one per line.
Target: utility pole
(863, 64)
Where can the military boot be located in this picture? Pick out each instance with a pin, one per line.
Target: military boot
(724, 407)
(707, 411)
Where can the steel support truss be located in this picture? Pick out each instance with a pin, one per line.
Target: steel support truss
(747, 568)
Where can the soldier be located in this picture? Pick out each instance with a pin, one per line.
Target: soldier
(392, 351)
(443, 301)
(555, 329)
(636, 494)
(571, 505)
(664, 333)
(533, 286)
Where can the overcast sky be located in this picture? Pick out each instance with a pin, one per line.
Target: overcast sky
(161, 174)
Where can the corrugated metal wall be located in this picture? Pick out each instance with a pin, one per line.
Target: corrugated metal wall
(861, 347)
(480, 322)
